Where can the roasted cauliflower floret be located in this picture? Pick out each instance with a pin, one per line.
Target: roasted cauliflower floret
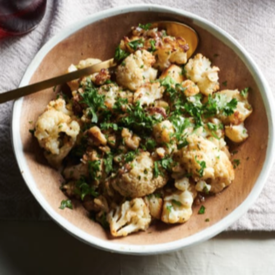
(76, 171)
(202, 186)
(173, 71)
(91, 167)
(74, 84)
(136, 70)
(170, 50)
(101, 77)
(177, 207)
(237, 133)
(96, 136)
(205, 161)
(98, 204)
(242, 110)
(87, 62)
(163, 131)
(129, 217)
(131, 140)
(137, 178)
(199, 70)
(182, 184)
(112, 93)
(190, 88)
(154, 203)
(148, 93)
(56, 133)
(60, 105)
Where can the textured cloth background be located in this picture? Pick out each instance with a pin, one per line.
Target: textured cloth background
(251, 22)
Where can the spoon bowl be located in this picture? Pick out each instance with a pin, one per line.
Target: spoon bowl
(177, 29)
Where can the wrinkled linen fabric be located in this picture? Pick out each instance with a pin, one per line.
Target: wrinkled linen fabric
(250, 22)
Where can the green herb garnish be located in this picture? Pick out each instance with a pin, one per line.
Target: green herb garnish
(136, 44)
(175, 202)
(145, 26)
(94, 169)
(236, 163)
(120, 54)
(202, 210)
(202, 165)
(66, 203)
(83, 189)
(244, 92)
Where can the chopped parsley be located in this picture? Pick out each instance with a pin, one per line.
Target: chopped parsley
(180, 124)
(236, 163)
(108, 163)
(165, 163)
(66, 203)
(103, 220)
(145, 27)
(229, 107)
(224, 83)
(120, 54)
(138, 119)
(176, 202)
(94, 169)
(244, 92)
(83, 189)
(219, 104)
(202, 166)
(105, 126)
(94, 101)
(150, 144)
(212, 126)
(130, 156)
(136, 44)
(169, 208)
(32, 131)
(156, 171)
(153, 45)
(202, 210)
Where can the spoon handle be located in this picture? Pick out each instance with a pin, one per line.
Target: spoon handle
(35, 87)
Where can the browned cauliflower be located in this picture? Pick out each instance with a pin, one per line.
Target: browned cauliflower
(131, 140)
(137, 178)
(129, 217)
(163, 132)
(199, 70)
(236, 133)
(242, 110)
(205, 161)
(148, 93)
(177, 207)
(136, 70)
(74, 84)
(91, 166)
(56, 133)
(173, 71)
(170, 50)
(190, 88)
(154, 204)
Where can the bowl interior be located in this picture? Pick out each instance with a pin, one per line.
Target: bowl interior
(99, 40)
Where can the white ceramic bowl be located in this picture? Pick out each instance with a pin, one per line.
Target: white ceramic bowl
(161, 243)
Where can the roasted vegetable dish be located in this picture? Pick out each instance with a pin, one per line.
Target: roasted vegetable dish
(143, 142)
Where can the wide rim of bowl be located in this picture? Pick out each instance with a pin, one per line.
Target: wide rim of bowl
(164, 247)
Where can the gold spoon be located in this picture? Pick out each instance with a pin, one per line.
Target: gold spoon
(172, 28)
